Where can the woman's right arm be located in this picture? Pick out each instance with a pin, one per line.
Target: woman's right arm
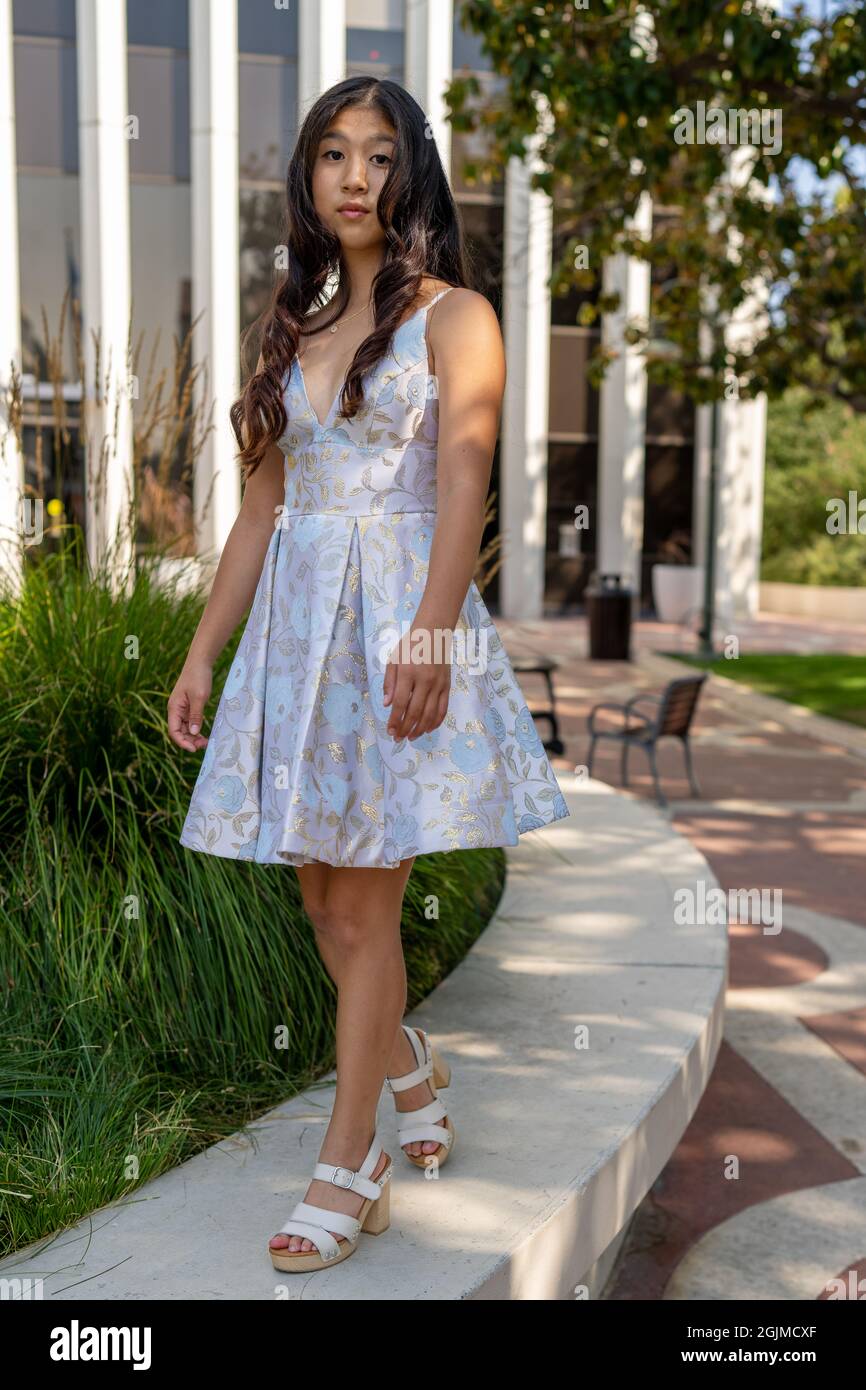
(234, 586)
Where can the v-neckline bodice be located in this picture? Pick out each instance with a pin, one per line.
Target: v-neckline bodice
(322, 426)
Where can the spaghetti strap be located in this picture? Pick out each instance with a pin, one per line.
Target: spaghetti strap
(429, 305)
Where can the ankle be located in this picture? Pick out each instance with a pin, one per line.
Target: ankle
(347, 1144)
(402, 1059)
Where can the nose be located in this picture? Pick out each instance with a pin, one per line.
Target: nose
(355, 175)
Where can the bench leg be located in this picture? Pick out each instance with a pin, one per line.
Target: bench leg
(590, 756)
(688, 752)
(624, 762)
(651, 753)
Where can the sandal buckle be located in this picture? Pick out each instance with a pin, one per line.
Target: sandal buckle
(338, 1181)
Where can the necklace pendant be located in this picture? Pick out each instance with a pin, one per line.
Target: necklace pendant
(334, 329)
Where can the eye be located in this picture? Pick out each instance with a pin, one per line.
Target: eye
(339, 154)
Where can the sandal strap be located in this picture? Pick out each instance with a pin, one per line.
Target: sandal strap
(322, 1239)
(350, 1180)
(422, 1133)
(434, 1110)
(357, 1180)
(423, 1057)
(322, 1220)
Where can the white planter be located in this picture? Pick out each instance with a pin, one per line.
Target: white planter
(677, 591)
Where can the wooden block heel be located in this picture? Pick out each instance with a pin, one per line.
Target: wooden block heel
(378, 1217)
(441, 1070)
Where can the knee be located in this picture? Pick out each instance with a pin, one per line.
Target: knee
(315, 910)
(343, 926)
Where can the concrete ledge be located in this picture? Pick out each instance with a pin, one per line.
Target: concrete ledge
(835, 603)
(556, 1144)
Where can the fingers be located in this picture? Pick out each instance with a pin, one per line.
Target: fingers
(419, 707)
(179, 721)
(196, 711)
(404, 688)
(427, 720)
(389, 682)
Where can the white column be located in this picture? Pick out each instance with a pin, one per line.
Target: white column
(740, 481)
(105, 279)
(428, 65)
(622, 417)
(11, 460)
(213, 52)
(524, 427)
(739, 513)
(321, 49)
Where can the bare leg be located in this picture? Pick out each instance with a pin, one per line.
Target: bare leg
(356, 916)
(314, 887)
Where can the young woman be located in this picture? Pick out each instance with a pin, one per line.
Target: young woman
(350, 735)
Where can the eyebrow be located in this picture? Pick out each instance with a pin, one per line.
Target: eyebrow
(372, 140)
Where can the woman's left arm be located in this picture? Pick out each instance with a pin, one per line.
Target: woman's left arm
(469, 357)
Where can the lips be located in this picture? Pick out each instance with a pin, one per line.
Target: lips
(353, 210)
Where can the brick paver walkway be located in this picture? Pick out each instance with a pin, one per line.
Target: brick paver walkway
(780, 808)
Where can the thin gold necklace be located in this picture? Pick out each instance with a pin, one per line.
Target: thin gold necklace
(335, 326)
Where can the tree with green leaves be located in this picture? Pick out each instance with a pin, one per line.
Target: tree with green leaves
(746, 128)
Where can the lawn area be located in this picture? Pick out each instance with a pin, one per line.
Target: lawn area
(823, 681)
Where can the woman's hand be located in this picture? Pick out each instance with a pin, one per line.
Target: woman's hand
(417, 691)
(186, 705)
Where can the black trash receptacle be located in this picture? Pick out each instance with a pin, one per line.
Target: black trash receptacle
(608, 605)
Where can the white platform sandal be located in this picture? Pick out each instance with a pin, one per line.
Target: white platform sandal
(421, 1124)
(316, 1223)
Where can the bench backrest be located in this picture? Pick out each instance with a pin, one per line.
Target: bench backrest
(678, 704)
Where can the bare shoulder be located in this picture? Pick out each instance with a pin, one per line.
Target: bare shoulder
(464, 324)
(431, 286)
(462, 305)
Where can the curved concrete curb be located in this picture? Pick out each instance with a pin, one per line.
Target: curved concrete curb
(582, 1029)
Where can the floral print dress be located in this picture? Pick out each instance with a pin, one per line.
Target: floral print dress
(299, 767)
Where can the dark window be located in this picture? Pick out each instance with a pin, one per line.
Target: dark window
(46, 105)
(44, 18)
(668, 485)
(572, 483)
(573, 402)
(266, 27)
(159, 98)
(375, 51)
(267, 119)
(162, 23)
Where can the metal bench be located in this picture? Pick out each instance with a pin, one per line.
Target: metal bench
(542, 666)
(676, 708)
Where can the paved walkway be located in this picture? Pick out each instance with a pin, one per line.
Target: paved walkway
(765, 1195)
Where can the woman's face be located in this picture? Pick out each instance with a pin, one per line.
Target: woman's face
(351, 164)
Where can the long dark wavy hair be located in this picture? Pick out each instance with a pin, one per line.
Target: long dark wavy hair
(423, 236)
